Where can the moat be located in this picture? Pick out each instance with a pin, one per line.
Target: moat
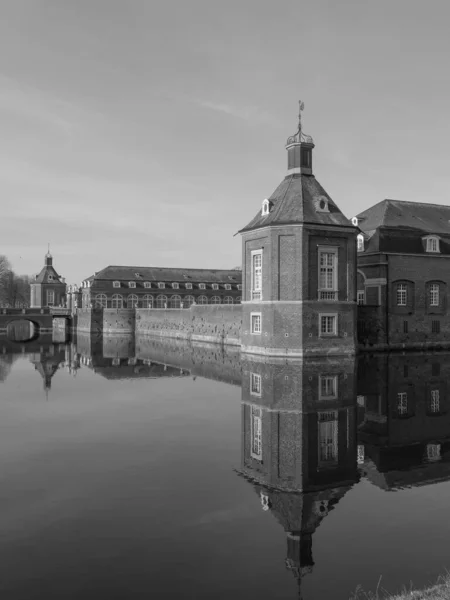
(133, 468)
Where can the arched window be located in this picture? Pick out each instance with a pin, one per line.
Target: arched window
(132, 301)
(360, 242)
(237, 300)
(175, 302)
(188, 301)
(147, 301)
(117, 301)
(161, 301)
(214, 300)
(101, 301)
(202, 300)
(228, 300)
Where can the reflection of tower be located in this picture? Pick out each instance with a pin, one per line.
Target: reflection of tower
(299, 444)
(47, 363)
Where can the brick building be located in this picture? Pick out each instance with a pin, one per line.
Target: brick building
(48, 288)
(156, 287)
(403, 273)
(299, 267)
(403, 414)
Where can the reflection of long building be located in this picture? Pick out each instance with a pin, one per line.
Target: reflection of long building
(299, 444)
(404, 419)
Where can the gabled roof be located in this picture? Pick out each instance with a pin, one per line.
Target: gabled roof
(429, 218)
(124, 273)
(294, 201)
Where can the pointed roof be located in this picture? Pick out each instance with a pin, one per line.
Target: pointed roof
(296, 200)
(430, 218)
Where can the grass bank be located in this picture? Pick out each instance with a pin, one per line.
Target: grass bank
(439, 591)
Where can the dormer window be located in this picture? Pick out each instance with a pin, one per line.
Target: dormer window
(266, 206)
(227, 286)
(202, 286)
(131, 284)
(432, 243)
(116, 284)
(147, 284)
(50, 277)
(321, 204)
(189, 286)
(215, 286)
(175, 286)
(355, 221)
(360, 243)
(161, 285)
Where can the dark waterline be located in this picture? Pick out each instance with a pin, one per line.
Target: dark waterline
(128, 470)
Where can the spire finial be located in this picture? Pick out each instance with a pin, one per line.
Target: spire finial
(301, 106)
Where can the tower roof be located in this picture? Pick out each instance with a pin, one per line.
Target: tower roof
(297, 200)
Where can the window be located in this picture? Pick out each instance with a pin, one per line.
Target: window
(360, 243)
(101, 301)
(50, 297)
(175, 286)
(147, 301)
(327, 387)
(432, 244)
(256, 275)
(328, 324)
(255, 432)
(175, 302)
(227, 286)
(116, 284)
(360, 453)
(405, 326)
(435, 327)
(161, 301)
(215, 286)
(239, 286)
(228, 300)
(360, 297)
(132, 301)
(214, 300)
(402, 403)
(131, 284)
(50, 277)
(116, 301)
(147, 284)
(255, 384)
(255, 319)
(265, 207)
(188, 286)
(238, 300)
(433, 452)
(188, 301)
(433, 294)
(115, 362)
(202, 300)
(434, 401)
(401, 294)
(328, 438)
(161, 285)
(202, 286)
(328, 274)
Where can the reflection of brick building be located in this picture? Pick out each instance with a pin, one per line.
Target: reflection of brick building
(404, 419)
(403, 274)
(299, 444)
(154, 287)
(48, 288)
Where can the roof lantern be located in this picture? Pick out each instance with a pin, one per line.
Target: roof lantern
(299, 147)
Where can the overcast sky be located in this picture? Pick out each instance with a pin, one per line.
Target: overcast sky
(147, 132)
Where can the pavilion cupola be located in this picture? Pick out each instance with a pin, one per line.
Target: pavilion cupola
(299, 147)
(48, 258)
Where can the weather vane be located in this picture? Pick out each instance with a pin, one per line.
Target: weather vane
(301, 106)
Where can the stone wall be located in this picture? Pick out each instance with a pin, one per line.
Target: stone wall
(218, 324)
(105, 321)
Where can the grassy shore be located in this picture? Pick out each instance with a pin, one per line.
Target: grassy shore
(439, 591)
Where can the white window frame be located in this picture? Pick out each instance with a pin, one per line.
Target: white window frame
(360, 243)
(202, 286)
(147, 300)
(433, 452)
(215, 300)
(402, 403)
(256, 432)
(101, 301)
(432, 244)
(117, 299)
(435, 401)
(175, 286)
(256, 275)
(328, 387)
(265, 207)
(215, 286)
(255, 317)
(401, 294)
(255, 384)
(131, 284)
(161, 285)
(202, 299)
(188, 286)
(361, 297)
(147, 284)
(50, 297)
(132, 299)
(327, 290)
(335, 327)
(227, 286)
(116, 284)
(50, 277)
(239, 286)
(328, 438)
(434, 293)
(228, 300)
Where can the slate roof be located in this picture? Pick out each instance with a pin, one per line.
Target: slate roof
(43, 276)
(429, 218)
(123, 273)
(293, 202)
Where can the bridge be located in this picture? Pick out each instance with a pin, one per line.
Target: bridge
(43, 319)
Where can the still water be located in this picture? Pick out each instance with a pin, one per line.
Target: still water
(132, 469)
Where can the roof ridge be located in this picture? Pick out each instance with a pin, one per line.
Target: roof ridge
(415, 202)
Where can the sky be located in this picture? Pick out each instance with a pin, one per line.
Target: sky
(148, 132)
